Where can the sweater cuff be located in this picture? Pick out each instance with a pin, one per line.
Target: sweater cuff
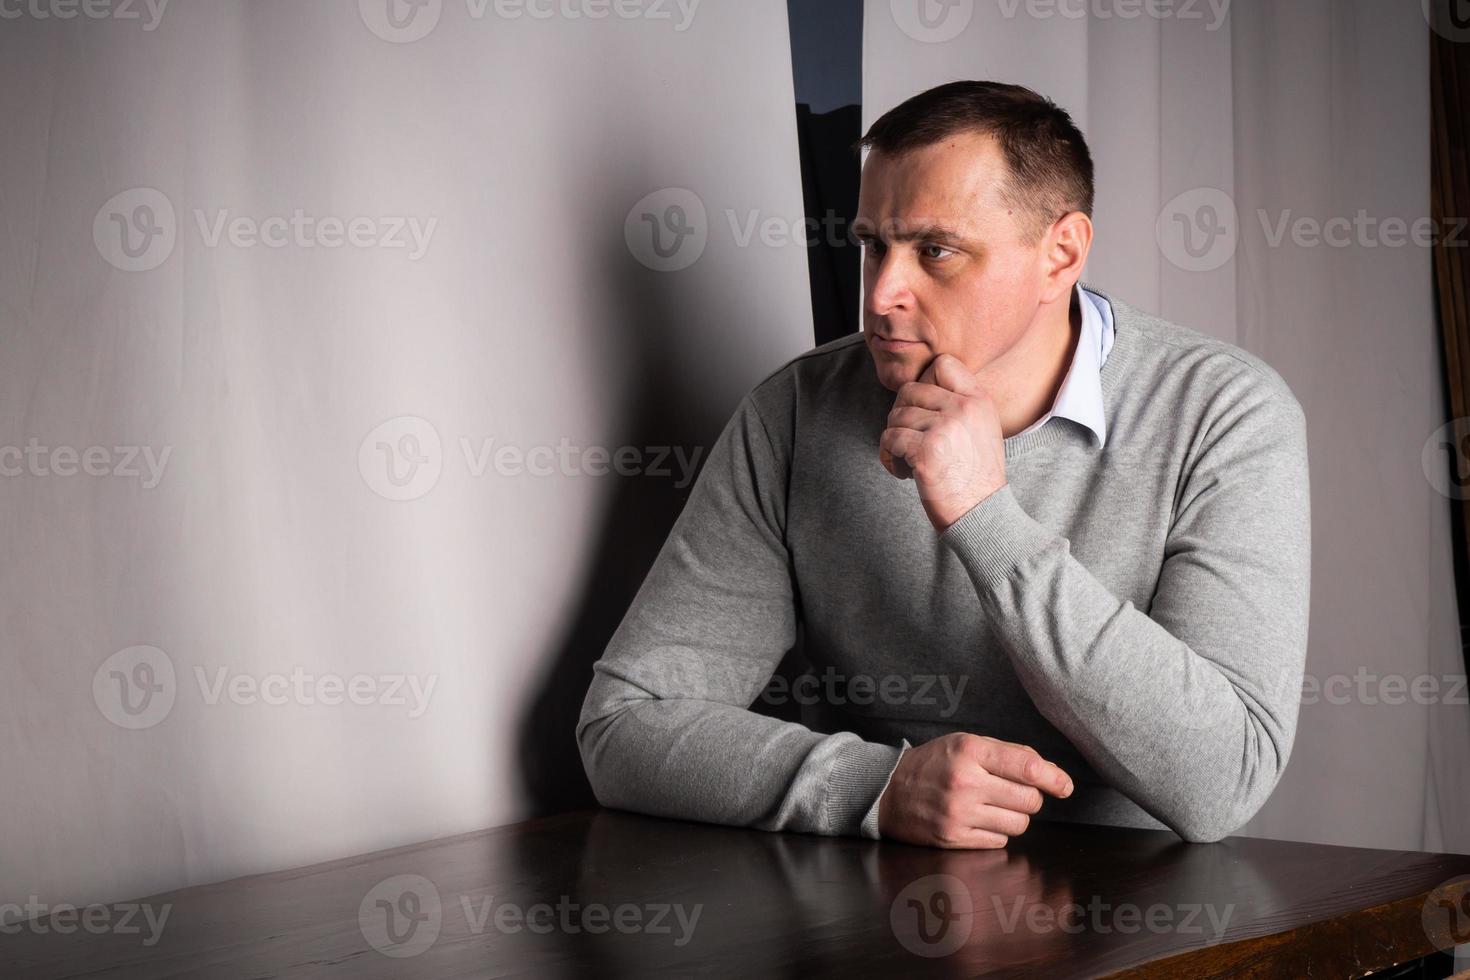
(869, 828)
(995, 537)
(859, 776)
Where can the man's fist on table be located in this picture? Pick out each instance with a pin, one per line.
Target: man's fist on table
(945, 434)
(966, 791)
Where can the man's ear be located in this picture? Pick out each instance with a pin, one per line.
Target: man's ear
(1067, 243)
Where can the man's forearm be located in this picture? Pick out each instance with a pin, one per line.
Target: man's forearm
(704, 760)
(1196, 731)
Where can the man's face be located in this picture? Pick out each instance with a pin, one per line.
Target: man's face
(946, 269)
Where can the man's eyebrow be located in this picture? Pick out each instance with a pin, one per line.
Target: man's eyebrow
(922, 232)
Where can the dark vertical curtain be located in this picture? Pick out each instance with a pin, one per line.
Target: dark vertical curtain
(827, 73)
(1449, 67)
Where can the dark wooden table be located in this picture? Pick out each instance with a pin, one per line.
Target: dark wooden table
(604, 893)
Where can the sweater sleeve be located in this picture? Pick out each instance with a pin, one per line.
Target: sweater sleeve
(666, 728)
(1189, 709)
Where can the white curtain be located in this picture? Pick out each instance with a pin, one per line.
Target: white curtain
(236, 242)
(1247, 126)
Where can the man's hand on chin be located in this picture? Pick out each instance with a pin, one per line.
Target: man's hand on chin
(944, 433)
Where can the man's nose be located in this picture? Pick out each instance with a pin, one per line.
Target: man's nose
(889, 289)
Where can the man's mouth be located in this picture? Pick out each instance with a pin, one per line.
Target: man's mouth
(894, 346)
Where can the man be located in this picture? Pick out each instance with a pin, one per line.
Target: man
(1088, 526)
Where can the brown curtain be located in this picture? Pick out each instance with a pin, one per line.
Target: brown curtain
(1449, 67)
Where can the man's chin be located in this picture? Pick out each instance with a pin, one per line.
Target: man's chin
(896, 371)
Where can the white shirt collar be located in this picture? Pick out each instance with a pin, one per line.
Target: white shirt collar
(1080, 397)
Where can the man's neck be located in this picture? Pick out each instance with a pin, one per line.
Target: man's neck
(1025, 384)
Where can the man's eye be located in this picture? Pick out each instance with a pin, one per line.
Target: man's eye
(934, 251)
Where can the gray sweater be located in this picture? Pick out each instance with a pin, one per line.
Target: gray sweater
(1136, 613)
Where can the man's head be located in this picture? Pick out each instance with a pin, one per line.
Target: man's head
(975, 217)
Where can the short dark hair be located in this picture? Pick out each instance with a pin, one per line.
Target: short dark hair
(1051, 168)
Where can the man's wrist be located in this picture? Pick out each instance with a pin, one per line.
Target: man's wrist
(877, 816)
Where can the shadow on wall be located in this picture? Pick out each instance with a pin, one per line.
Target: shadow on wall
(668, 408)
